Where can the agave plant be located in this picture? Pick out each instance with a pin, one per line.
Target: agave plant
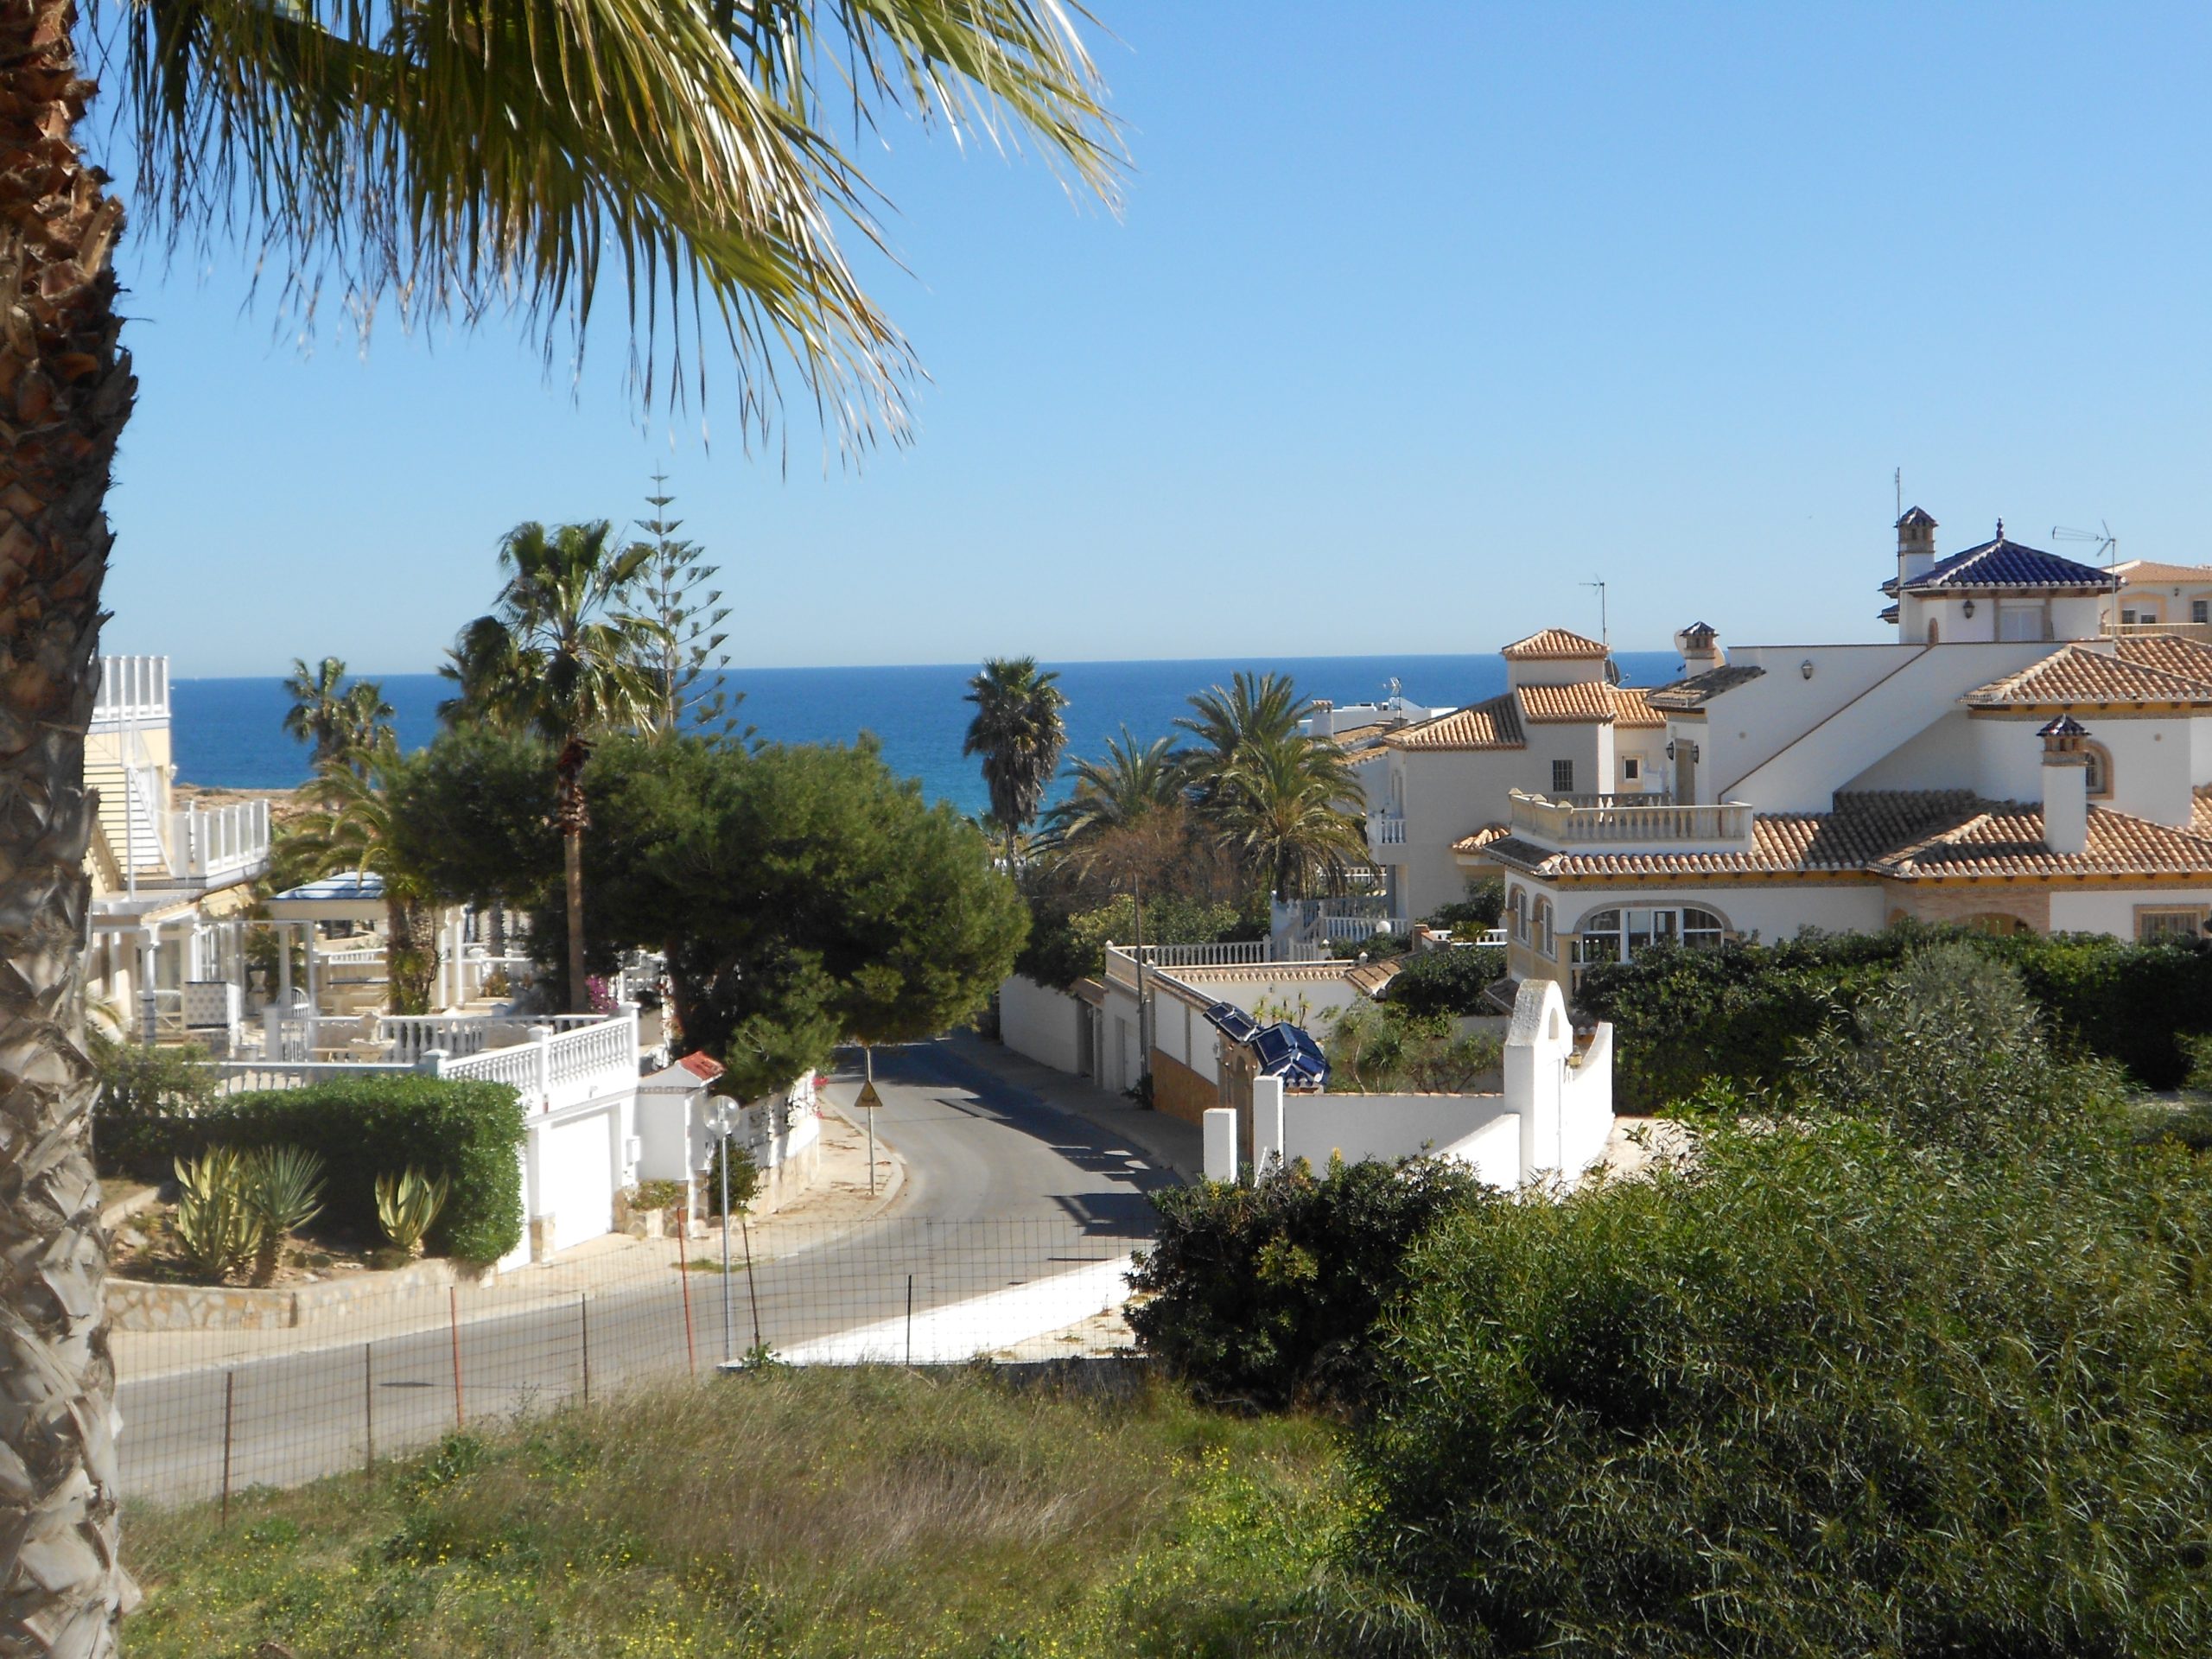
(284, 1193)
(408, 1204)
(216, 1225)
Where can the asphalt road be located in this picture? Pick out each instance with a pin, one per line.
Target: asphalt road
(1001, 1189)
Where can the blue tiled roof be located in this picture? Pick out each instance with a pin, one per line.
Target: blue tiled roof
(2005, 563)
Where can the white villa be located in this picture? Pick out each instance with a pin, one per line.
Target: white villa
(167, 881)
(1562, 728)
(2011, 761)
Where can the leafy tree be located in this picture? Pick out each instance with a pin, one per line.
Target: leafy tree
(421, 162)
(1018, 731)
(343, 723)
(803, 896)
(1447, 982)
(562, 655)
(687, 663)
(468, 815)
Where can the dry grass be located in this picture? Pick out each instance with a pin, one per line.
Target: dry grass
(857, 1512)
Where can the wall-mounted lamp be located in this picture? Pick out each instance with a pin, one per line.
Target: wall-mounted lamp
(1670, 748)
(1969, 607)
(1806, 668)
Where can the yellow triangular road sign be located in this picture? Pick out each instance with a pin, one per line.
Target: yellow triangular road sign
(869, 1099)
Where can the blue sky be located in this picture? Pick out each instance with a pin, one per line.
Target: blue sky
(1417, 317)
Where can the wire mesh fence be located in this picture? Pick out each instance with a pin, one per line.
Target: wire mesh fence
(207, 1412)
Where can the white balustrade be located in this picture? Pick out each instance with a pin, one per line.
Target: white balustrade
(131, 689)
(1386, 830)
(414, 1035)
(1626, 819)
(206, 844)
(560, 1068)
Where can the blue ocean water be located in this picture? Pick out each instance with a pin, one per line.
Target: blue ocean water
(229, 732)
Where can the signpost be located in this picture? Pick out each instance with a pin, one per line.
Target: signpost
(721, 1123)
(870, 1102)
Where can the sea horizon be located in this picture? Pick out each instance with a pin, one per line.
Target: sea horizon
(227, 732)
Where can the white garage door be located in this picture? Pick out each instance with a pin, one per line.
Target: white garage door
(580, 1179)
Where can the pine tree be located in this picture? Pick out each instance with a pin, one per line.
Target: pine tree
(688, 668)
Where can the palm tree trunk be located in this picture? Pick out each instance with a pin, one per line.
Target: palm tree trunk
(66, 389)
(571, 818)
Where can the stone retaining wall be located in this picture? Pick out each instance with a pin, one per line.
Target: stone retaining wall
(136, 1305)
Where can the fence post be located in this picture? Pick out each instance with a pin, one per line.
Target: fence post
(230, 1398)
(432, 1063)
(752, 1285)
(453, 1314)
(909, 1321)
(369, 1410)
(541, 1040)
(583, 1322)
(684, 1279)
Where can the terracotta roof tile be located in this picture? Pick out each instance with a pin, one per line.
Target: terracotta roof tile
(1632, 709)
(1481, 838)
(2076, 675)
(1552, 644)
(2136, 571)
(2007, 840)
(1590, 701)
(1495, 724)
(2168, 651)
(704, 1066)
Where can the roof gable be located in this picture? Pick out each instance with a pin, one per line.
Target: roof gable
(1552, 644)
(1495, 724)
(2077, 674)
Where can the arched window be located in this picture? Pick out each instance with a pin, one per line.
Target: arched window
(1520, 910)
(1932, 637)
(1544, 927)
(1701, 929)
(2100, 769)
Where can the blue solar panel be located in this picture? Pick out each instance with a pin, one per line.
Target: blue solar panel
(1232, 1021)
(1287, 1051)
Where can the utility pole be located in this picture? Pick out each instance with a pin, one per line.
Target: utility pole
(722, 1122)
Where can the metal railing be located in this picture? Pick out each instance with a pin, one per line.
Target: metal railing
(1564, 823)
(131, 689)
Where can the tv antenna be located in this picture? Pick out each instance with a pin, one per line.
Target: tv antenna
(1604, 637)
(1897, 480)
(2107, 544)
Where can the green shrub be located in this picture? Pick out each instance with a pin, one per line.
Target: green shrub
(1825, 1392)
(1682, 1017)
(1447, 982)
(142, 1084)
(467, 1131)
(1919, 1369)
(1478, 911)
(1378, 1048)
(1267, 1295)
(744, 1181)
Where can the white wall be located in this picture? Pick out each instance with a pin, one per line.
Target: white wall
(1041, 1023)
(1769, 912)
(1317, 1127)
(2114, 912)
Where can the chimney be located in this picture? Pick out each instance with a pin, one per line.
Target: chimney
(1916, 544)
(2065, 785)
(1700, 649)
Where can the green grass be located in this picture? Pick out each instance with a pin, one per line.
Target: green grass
(796, 1512)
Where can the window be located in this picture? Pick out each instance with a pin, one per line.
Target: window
(2126, 619)
(1619, 935)
(2200, 610)
(2168, 926)
(1632, 769)
(1562, 777)
(1520, 910)
(2098, 769)
(2016, 622)
(1544, 941)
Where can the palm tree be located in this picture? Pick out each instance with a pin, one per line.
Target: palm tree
(1284, 802)
(1019, 733)
(562, 655)
(1129, 786)
(351, 826)
(421, 159)
(1254, 712)
(343, 722)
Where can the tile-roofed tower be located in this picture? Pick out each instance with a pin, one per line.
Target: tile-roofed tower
(1916, 544)
(1555, 657)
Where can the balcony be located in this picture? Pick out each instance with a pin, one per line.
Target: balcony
(2196, 632)
(1386, 830)
(1630, 820)
(134, 691)
(208, 849)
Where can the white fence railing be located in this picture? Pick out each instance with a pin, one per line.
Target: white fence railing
(131, 689)
(2199, 632)
(413, 1035)
(1564, 824)
(557, 1068)
(239, 1075)
(1386, 830)
(227, 840)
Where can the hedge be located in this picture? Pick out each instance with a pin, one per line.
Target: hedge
(1447, 982)
(1683, 1017)
(469, 1131)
